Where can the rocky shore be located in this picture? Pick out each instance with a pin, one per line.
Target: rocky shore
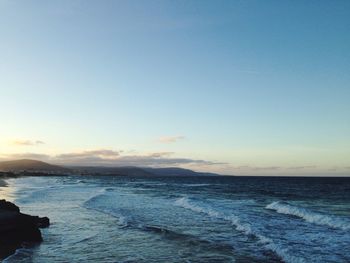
(18, 229)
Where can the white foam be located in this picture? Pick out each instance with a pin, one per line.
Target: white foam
(242, 227)
(185, 203)
(309, 216)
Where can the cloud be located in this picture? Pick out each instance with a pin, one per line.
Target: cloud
(110, 158)
(149, 160)
(88, 157)
(256, 168)
(171, 139)
(103, 153)
(118, 158)
(302, 167)
(27, 142)
(106, 157)
(273, 168)
(16, 156)
(160, 154)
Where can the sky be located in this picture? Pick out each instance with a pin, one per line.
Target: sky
(234, 87)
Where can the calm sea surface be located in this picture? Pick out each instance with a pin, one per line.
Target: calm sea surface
(202, 219)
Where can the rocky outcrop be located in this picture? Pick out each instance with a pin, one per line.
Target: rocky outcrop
(8, 206)
(17, 229)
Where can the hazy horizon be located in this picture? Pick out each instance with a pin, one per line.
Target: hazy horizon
(232, 87)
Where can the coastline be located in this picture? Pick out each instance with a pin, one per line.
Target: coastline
(129, 210)
(5, 252)
(17, 228)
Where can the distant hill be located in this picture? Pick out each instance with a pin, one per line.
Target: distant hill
(31, 166)
(42, 168)
(136, 171)
(175, 171)
(100, 170)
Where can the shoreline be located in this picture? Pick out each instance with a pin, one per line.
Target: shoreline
(16, 228)
(186, 201)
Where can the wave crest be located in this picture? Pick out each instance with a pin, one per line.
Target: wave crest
(309, 216)
(96, 203)
(242, 227)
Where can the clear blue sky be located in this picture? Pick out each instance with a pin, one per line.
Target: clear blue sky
(240, 87)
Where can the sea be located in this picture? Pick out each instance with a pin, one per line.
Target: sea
(186, 219)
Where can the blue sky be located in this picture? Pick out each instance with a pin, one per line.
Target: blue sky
(239, 87)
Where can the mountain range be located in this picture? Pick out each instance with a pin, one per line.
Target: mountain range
(34, 166)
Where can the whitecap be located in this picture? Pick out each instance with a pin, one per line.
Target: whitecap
(309, 216)
(242, 227)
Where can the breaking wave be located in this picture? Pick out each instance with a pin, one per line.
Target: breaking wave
(240, 226)
(94, 203)
(309, 216)
(185, 203)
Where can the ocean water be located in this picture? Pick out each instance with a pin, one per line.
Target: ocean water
(192, 219)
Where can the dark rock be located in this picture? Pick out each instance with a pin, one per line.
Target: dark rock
(8, 206)
(42, 222)
(17, 228)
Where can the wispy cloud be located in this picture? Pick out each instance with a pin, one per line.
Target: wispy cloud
(257, 168)
(117, 158)
(171, 139)
(103, 153)
(27, 142)
(160, 154)
(273, 168)
(302, 167)
(106, 157)
(148, 160)
(16, 156)
(88, 157)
